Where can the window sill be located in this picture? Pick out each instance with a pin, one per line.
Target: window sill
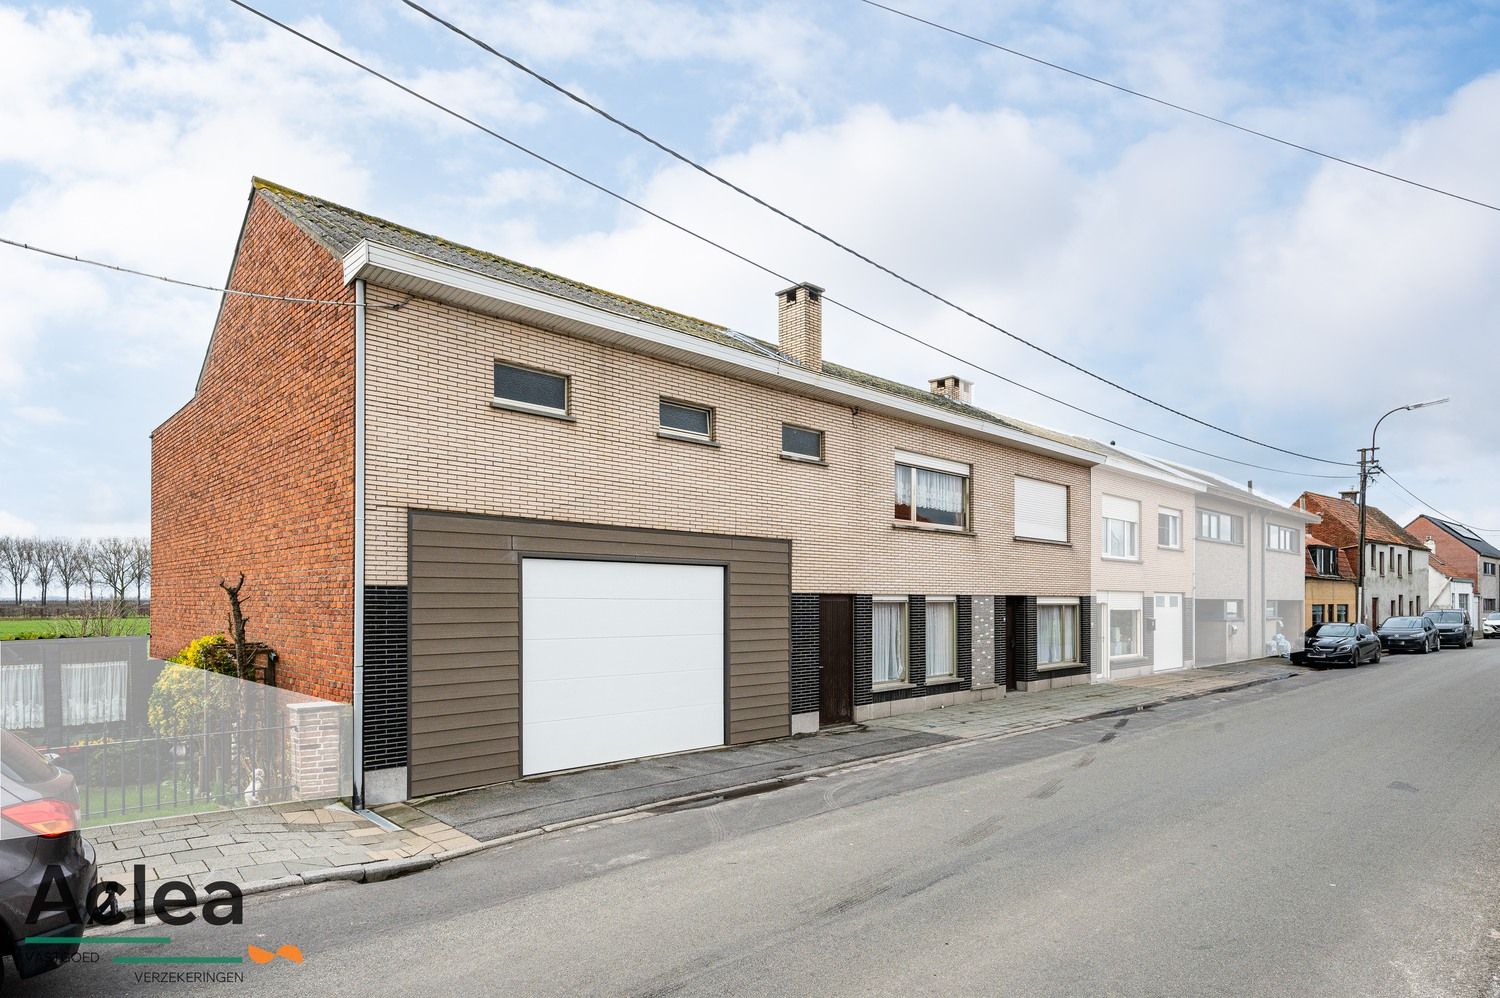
(1059, 666)
(884, 687)
(1169, 547)
(1126, 659)
(931, 528)
(944, 681)
(803, 459)
(1112, 557)
(1042, 540)
(687, 438)
(527, 410)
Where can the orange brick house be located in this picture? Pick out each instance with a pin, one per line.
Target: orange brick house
(526, 525)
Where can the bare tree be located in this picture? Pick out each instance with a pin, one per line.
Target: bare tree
(88, 569)
(72, 564)
(4, 566)
(43, 564)
(15, 556)
(140, 566)
(112, 565)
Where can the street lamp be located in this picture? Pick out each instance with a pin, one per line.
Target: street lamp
(1367, 458)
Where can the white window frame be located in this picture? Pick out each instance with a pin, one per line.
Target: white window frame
(1066, 604)
(1227, 520)
(905, 635)
(1277, 532)
(912, 461)
(522, 406)
(1023, 531)
(1132, 532)
(952, 675)
(792, 455)
(678, 434)
(1321, 553)
(1174, 516)
(1135, 605)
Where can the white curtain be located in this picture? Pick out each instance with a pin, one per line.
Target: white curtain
(94, 692)
(942, 654)
(889, 643)
(941, 494)
(21, 697)
(1056, 634)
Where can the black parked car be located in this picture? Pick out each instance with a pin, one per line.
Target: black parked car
(1453, 627)
(38, 829)
(1409, 634)
(1341, 644)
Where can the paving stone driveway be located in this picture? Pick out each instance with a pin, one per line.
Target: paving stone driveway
(263, 843)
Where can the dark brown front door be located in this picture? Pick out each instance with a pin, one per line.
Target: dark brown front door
(836, 668)
(1015, 609)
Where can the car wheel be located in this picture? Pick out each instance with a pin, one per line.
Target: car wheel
(1426, 646)
(1376, 659)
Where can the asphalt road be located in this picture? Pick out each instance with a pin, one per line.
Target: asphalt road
(1332, 834)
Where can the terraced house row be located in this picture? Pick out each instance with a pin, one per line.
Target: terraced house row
(525, 525)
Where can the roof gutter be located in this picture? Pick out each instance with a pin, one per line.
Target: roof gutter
(426, 277)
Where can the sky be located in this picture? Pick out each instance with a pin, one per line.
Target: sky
(1283, 296)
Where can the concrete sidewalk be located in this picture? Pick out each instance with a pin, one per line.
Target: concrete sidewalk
(285, 845)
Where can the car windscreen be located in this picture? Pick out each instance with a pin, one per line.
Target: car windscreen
(1448, 616)
(1335, 631)
(1493, 617)
(1402, 624)
(21, 762)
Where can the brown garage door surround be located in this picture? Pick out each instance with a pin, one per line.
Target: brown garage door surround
(465, 633)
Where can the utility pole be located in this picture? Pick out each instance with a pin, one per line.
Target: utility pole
(1366, 461)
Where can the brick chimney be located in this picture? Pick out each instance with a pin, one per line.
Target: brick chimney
(953, 387)
(799, 324)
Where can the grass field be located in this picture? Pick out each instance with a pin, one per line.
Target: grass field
(49, 627)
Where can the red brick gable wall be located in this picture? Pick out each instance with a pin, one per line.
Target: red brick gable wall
(1461, 558)
(256, 473)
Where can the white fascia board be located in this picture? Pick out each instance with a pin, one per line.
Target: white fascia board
(387, 266)
(1149, 473)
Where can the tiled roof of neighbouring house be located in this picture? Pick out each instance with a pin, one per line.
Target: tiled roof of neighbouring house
(1340, 526)
(1343, 560)
(340, 229)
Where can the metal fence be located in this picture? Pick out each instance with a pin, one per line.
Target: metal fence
(147, 739)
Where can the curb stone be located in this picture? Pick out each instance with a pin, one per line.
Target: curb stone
(389, 869)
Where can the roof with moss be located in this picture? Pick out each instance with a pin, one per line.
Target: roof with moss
(340, 229)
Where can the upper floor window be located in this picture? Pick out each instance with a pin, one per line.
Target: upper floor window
(1169, 528)
(1122, 527)
(800, 442)
(531, 390)
(931, 490)
(1041, 510)
(1325, 560)
(1226, 527)
(1489, 568)
(1279, 538)
(690, 421)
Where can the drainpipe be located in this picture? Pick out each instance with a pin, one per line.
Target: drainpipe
(357, 763)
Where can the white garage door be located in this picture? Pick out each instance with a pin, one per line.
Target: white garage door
(619, 660)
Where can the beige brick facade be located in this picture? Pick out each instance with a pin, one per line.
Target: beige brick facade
(1158, 569)
(435, 441)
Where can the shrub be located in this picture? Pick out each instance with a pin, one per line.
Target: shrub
(212, 652)
(195, 693)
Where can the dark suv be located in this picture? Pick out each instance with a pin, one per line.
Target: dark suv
(1453, 627)
(38, 829)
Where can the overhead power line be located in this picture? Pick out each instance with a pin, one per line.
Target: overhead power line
(179, 282)
(1184, 109)
(1422, 502)
(920, 288)
(623, 199)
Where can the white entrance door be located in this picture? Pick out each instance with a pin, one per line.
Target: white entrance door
(619, 660)
(1168, 644)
